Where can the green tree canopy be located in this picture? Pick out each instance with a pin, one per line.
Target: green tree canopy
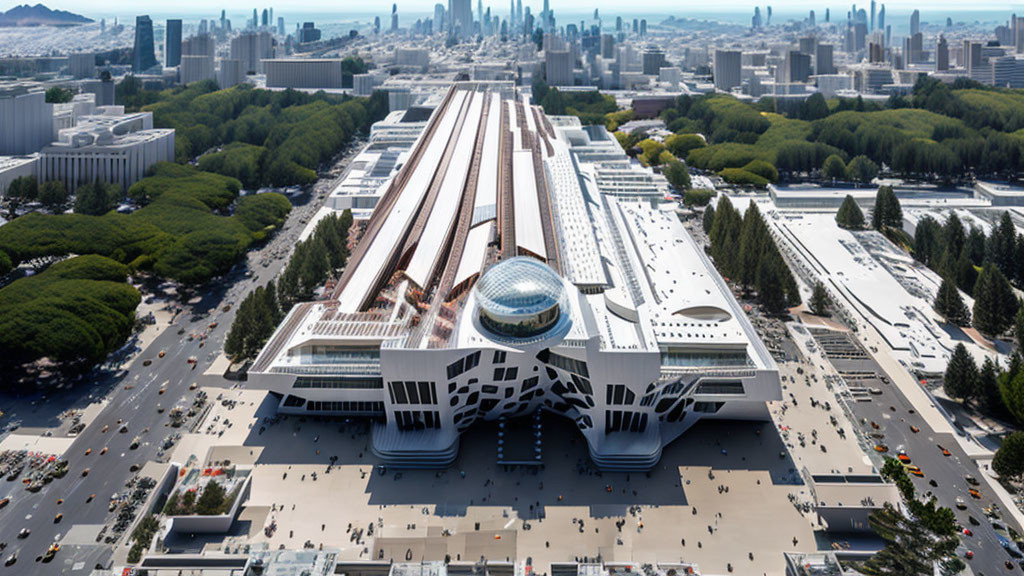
(950, 305)
(887, 212)
(995, 305)
(820, 301)
(850, 215)
(834, 168)
(678, 175)
(96, 198)
(1009, 459)
(861, 170)
(961, 379)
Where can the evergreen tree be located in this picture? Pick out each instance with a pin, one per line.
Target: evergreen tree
(995, 305)
(965, 273)
(708, 218)
(1002, 245)
(961, 379)
(950, 305)
(752, 239)
(97, 198)
(926, 239)
(677, 174)
(987, 394)
(888, 212)
(975, 246)
(850, 215)
(1011, 388)
(725, 235)
(1009, 459)
(820, 302)
(954, 236)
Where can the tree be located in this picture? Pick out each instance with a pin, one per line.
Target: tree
(834, 168)
(814, 108)
(21, 189)
(752, 239)
(850, 215)
(97, 198)
(58, 95)
(926, 239)
(995, 305)
(950, 305)
(987, 394)
(1018, 324)
(887, 212)
(861, 170)
(911, 548)
(1002, 245)
(53, 195)
(820, 301)
(1009, 458)
(678, 175)
(212, 500)
(708, 219)
(961, 379)
(1011, 388)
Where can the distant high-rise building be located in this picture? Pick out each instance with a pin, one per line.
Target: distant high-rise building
(827, 15)
(653, 61)
(643, 27)
(872, 15)
(558, 65)
(223, 19)
(309, 33)
(913, 48)
(265, 22)
(280, 26)
(172, 43)
(255, 22)
(82, 65)
(251, 48)
(942, 54)
(461, 18)
(798, 66)
(755, 21)
(727, 69)
(143, 53)
(823, 60)
(915, 22)
(810, 20)
(807, 45)
(618, 23)
(376, 24)
(881, 18)
(394, 18)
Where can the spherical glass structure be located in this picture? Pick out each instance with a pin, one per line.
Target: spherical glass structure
(519, 298)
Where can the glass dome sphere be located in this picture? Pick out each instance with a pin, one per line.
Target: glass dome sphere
(519, 297)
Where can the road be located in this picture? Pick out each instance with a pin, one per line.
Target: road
(894, 416)
(137, 407)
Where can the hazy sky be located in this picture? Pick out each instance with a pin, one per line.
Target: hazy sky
(374, 6)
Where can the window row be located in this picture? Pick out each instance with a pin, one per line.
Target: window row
(720, 388)
(618, 395)
(624, 421)
(565, 363)
(346, 383)
(417, 420)
(409, 392)
(344, 406)
(501, 374)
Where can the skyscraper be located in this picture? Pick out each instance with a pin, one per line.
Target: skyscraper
(394, 18)
(942, 54)
(255, 22)
(461, 18)
(872, 15)
(727, 69)
(823, 60)
(915, 22)
(143, 54)
(172, 43)
(881, 18)
(266, 18)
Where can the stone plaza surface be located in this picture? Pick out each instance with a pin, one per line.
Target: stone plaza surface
(721, 494)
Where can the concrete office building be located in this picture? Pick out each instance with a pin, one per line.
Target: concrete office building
(143, 53)
(312, 73)
(82, 65)
(558, 66)
(364, 84)
(519, 263)
(823, 59)
(461, 13)
(172, 43)
(251, 49)
(230, 73)
(653, 61)
(26, 120)
(942, 55)
(798, 66)
(196, 68)
(114, 148)
(14, 167)
(727, 69)
(103, 89)
(413, 58)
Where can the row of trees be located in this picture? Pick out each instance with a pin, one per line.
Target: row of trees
(214, 500)
(53, 195)
(314, 260)
(744, 251)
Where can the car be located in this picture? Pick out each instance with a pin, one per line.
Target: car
(877, 436)
(874, 425)
(916, 471)
(162, 354)
(933, 483)
(90, 498)
(11, 559)
(971, 480)
(1008, 564)
(105, 428)
(874, 391)
(193, 386)
(128, 386)
(5, 502)
(973, 521)
(135, 443)
(969, 554)
(51, 552)
(881, 448)
(133, 468)
(974, 493)
(892, 408)
(967, 532)
(147, 362)
(943, 450)
(60, 501)
(915, 429)
(162, 390)
(85, 472)
(24, 533)
(88, 451)
(104, 451)
(902, 457)
(123, 428)
(58, 518)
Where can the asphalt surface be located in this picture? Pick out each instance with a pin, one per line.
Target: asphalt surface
(892, 413)
(137, 407)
